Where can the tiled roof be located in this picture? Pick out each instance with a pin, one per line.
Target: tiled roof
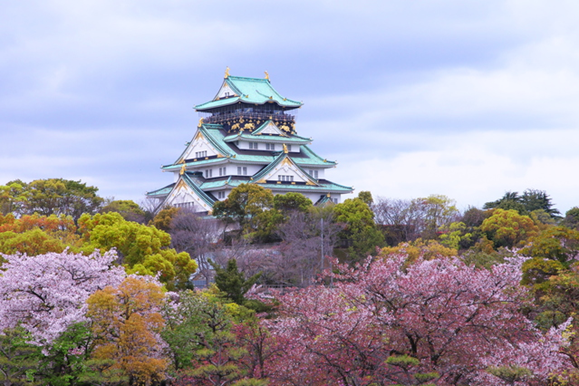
(249, 90)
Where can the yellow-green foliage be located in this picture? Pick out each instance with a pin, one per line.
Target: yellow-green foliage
(426, 249)
(143, 249)
(507, 228)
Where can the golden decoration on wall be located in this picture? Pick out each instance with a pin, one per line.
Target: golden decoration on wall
(266, 75)
(200, 122)
(284, 148)
(249, 126)
(182, 171)
(226, 73)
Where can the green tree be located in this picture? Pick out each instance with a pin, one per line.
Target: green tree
(507, 228)
(437, 210)
(232, 282)
(13, 197)
(130, 210)
(552, 250)
(19, 360)
(143, 249)
(59, 196)
(571, 219)
(243, 206)
(291, 201)
(366, 196)
(64, 362)
(360, 233)
(164, 218)
(200, 331)
(531, 200)
(534, 199)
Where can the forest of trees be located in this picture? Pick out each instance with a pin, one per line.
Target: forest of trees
(369, 292)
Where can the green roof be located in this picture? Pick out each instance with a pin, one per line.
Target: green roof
(251, 91)
(324, 186)
(209, 200)
(161, 192)
(267, 138)
(216, 137)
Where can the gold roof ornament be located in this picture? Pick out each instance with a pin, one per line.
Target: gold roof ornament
(266, 75)
(200, 122)
(284, 148)
(226, 73)
(182, 171)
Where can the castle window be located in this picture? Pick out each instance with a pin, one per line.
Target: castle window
(208, 173)
(284, 178)
(314, 173)
(270, 146)
(220, 195)
(253, 145)
(289, 147)
(242, 171)
(201, 154)
(222, 171)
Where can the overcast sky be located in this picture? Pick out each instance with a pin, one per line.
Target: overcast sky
(469, 99)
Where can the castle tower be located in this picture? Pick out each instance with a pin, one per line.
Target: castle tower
(247, 135)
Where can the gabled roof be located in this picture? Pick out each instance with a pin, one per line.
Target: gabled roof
(260, 176)
(170, 192)
(206, 131)
(269, 127)
(259, 135)
(248, 90)
(215, 135)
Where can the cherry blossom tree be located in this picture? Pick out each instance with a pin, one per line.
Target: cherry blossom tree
(45, 294)
(437, 321)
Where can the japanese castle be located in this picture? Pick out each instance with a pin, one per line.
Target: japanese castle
(247, 134)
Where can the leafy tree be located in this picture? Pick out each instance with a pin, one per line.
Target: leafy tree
(531, 200)
(36, 234)
(13, 197)
(243, 206)
(455, 235)
(45, 294)
(290, 202)
(551, 271)
(164, 218)
(18, 359)
(419, 249)
(571, 219)
(232, 282)
(360, 233)
(366, 197)
(507, 228)
(126, 322)
(438, 211)
(142, 249)
(65, 361)
(57, 196)
(130, 210)
(534, 199)
(201, 332)
(33, 242)
(510, 201)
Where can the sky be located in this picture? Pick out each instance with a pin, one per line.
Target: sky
(468, 99)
